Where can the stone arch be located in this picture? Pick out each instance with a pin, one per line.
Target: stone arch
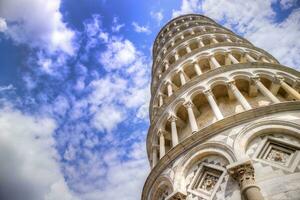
(287, 77)
(255, 129)
(217, 81)
(199, 89)
(196, 154)
(162, 183)
(175, 106)
(264, 74)
(241, 75)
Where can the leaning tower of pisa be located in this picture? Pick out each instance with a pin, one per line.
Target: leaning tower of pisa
(225, 117)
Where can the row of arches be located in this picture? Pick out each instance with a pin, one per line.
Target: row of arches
(184, 21)
(222, 98)
(194, 31)
(221, 155)
(169, 54)
(202, 64)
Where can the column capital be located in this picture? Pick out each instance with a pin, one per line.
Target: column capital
(194, 62)
(207, 92)
(243, 172)
(278, 79)
(161, 132)
(255, 78)
(231, 82)
(167, 82)
(188, 104)
(172, 118)
(179, 71)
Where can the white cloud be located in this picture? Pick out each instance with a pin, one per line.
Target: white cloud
(125, 177)
(37, 23)
(258, 24)
(116, 27)
(119, 53)
(107, 118)
(141, 29)
(286, 4)
(29, 161)
(158, 16)
(8, 87)
(3, 25)
(188, 6)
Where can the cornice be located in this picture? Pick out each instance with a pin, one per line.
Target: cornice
(209, 131)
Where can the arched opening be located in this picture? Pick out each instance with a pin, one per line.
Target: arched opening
(204, 65)
(226, 106)
(205, 115)
(177, 40)
(187, 34)
(182, 52)
(237, 55)
(206, 41)
(189, 70)
(262, 100)
(182, 122)
(220, 57)
(172, 60)
(194, 45)
(176, 80)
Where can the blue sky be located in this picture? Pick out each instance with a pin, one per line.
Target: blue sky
(74, 87)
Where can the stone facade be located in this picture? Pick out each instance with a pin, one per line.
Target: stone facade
(225, 117)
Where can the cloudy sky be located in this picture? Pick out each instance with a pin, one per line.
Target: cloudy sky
(74, 87)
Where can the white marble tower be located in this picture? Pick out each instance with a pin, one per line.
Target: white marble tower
(225, 117)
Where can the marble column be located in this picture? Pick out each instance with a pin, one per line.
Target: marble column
(228, 40)
(169, 88)
(214, 63)
(167, 66)
(291, 91)
(249, 58)
(264, 60)
(194, 127)
(188, 49)
(159, 75)
(182, 77)
(243, 172)
(172, 119)
(154, 156)
(265, 90)
(162, 148)
(201, 44)
(232, 58)
(239, 96)
(197, 68)
(161, 100)
(176, 55)
(213, 104)
(215, 41)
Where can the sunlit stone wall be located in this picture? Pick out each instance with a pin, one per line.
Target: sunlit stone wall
(225, 117)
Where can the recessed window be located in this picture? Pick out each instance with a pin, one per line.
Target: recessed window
(278, 153)
(206, 181)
